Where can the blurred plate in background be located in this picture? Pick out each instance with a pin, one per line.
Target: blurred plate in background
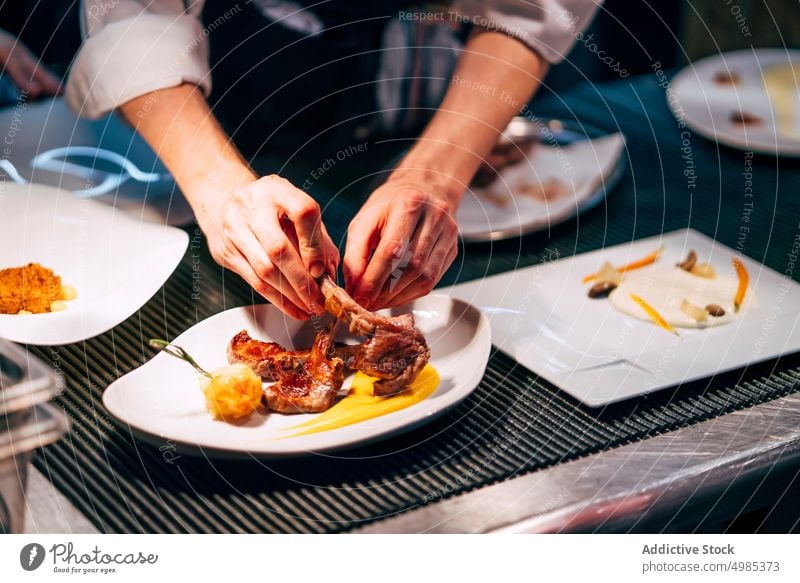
(744, 99)
(540, 174)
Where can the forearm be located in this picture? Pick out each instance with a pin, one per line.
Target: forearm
(178, 124)
(245, 218)
(496, 76)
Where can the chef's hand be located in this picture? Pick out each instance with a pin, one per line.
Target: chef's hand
(271, 234)
(25, 70)
(399, 244)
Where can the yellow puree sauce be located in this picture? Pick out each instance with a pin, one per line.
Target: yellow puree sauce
(360, 405)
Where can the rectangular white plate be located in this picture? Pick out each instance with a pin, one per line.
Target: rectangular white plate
(542, 317)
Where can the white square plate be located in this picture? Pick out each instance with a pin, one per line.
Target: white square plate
(542, 317)
(115, 261)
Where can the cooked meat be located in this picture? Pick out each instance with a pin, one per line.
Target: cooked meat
(396, 358)
(339, 303)
(727, 78)
(264, 357)
(310, 387)
(395, 351)
(307, 380)
(33, 288)
(745, 118)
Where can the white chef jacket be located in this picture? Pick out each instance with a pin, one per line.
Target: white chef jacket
(134, 47)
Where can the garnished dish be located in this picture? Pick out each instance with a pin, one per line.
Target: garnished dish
(33, 289)
(57, 243)
(383, 393)
(391, 366)
(540, 173)
(689, 294)
(747, 99)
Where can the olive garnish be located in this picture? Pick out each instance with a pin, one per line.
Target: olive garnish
(690, 261)
(601, 289)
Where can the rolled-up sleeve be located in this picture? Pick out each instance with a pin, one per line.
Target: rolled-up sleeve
(136, 47)
(550, 27)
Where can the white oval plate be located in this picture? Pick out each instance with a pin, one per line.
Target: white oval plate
(162, 403)
(115, 261)
(706, 106)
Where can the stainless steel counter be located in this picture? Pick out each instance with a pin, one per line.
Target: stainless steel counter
(48, 511)
(626, 488)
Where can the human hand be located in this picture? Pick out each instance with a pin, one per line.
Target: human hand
(25, 70)
(271, 234)
(400, 244)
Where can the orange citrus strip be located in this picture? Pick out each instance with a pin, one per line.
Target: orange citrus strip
(654, 315)
(647, 260)
(744, 280)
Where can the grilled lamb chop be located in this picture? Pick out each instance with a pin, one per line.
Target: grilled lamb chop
(265, 357)
(395, 351)
(339, 303)
(306, 387)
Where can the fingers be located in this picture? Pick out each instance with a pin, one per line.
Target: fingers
(283, 258)
(280, 230)
(268, 270)
(241, 238)
(331, 252)
(361, 241)
(416, 261)
(306, 217)
(48, 83)
(272, 232)
(30, 75)
(238, 263)
(20, 75)
(441, 257)
(391, 250)
(416, 242)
